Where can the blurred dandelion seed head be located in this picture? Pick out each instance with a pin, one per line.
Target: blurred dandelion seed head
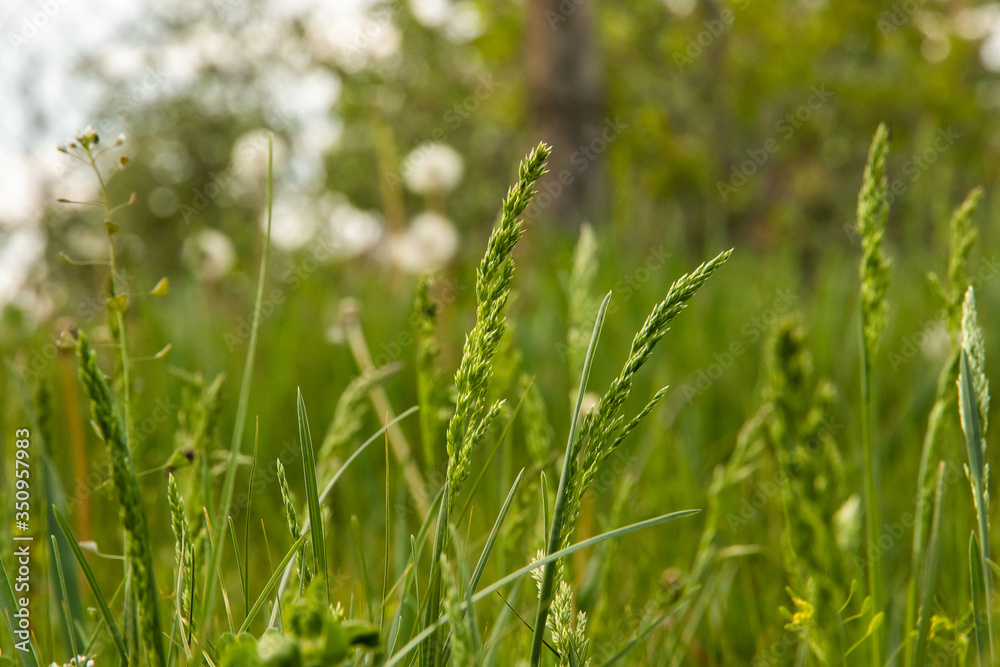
(432, 168)
(430, 242)
(209, 254)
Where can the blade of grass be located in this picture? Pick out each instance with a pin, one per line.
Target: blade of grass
(931, 572)
(246, 530)
(388, 539)
(88, 574)
(28, 658)
(272, 582)
(555, 531)
(978, 598)
(873, 522)
(541, 562)
(229, 486)
(65, 597)
(239, 563)
(359, 555)
(477, 573)
(974, 447)
(312, 496)
(329, 487)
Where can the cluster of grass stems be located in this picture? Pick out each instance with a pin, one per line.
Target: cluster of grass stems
(427, 615)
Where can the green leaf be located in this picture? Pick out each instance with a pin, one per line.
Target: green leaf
(162, 288)
(978, 598)
(312, 495)
(272, 582)
(102, 603)
(119, 303)
(10, 607)
(238, 651)
(931, 572)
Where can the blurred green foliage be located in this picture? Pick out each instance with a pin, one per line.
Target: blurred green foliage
(743, 124)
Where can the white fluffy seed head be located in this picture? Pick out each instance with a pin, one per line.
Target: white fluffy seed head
(430, 242)
(432, 168)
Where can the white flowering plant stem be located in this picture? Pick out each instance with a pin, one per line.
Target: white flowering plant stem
(873, 211)
(86, 148)
(974, 405)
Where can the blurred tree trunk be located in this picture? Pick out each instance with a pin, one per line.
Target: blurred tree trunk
(566, 87)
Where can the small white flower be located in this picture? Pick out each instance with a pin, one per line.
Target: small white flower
(209, 253)
(352, 231)
(432, 168)
(429, 243)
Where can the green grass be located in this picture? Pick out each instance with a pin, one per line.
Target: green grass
(827, 537)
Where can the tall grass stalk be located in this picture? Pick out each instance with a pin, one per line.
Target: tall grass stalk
(600, 432)
(235, 447)
(931, 571)
(138, 547)
(961, 235)
(474, 416)
(974, 404)
(873, 211)
(562, 494)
